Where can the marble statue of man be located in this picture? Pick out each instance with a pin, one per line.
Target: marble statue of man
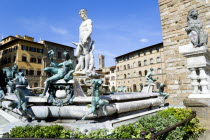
(83, 47)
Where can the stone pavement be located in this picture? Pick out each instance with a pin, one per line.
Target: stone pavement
(3, 120)
(7, 122)
(205, 136)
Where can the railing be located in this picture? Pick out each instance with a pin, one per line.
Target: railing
(143, 133)
(155, 135)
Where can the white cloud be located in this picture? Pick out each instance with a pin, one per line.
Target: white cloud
(58, 30)
(144, 40)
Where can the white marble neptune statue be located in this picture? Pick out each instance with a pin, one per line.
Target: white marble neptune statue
(85, 46)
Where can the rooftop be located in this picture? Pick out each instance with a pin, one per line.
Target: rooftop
(28, 39)
(57, 44)
(140, 49)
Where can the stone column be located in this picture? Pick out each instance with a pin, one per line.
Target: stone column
(204, 83)
(194, 78)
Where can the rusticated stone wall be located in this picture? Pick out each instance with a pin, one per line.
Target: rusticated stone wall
(173, 15)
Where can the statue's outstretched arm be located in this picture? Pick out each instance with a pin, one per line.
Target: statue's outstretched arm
(54, 64)
(61, 64)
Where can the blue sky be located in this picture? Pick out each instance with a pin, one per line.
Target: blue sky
(119, 26)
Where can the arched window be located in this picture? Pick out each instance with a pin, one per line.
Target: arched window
(24, 58)
(159, 70)
(39, 59)
(9, 59)
(59, 55)
(14, 58)
(119, 88)
(134, 64)
(145, 72)
(150, 51)
(134, 74)
(39, 72)
(129, 75)
(31, 72)
(139, 63)
(124, 76)
(124, 88)
(158, 49)
(145, 62)
(35, 84)
(151, 61)
(158, 59)
(134, 88)
(118, 69)
(33, 59)
(141, 87)
(128, 66)
(140, 74)
(128, 89)
(124, 67)
(145, 52)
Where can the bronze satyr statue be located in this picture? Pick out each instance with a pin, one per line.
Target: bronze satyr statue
(149, 78)
(10, 74)
(162, 93)
(194, 29)
(96, 101)
(21, 83)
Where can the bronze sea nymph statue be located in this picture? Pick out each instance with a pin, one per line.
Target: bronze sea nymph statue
(63, 71)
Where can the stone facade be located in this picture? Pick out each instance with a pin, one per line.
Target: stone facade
(112, 79)
(101, 63)
(108, 75)
(132, 67)
(173, 15)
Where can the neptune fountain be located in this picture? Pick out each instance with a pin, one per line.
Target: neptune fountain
(63, 100)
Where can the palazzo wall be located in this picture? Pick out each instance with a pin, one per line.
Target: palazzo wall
(173, 15)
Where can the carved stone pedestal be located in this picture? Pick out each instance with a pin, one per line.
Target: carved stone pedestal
(198, 62)
(84, 83)
(148, 88)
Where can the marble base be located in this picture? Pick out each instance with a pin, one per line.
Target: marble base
(202, 108)
(148, 88)
(197, 102)
(199, 96)
(119, 104)
(82, 125)
(189, 49)
(79, 73)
